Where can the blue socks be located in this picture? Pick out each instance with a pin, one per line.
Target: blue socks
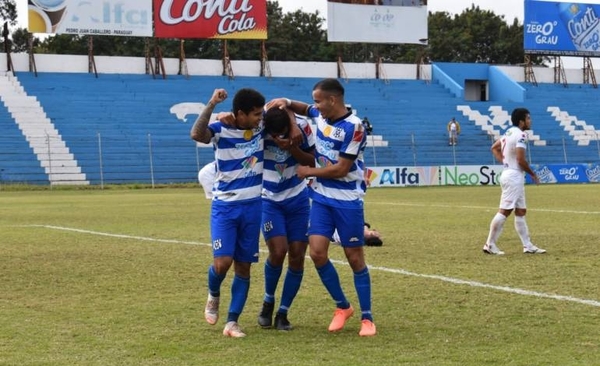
(214, 282)
(362, 283)
(272, 275)
(239, 294)
(331, 280)
(291, 285)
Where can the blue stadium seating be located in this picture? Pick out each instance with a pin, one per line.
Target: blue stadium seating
(120, 128)
(18, 163)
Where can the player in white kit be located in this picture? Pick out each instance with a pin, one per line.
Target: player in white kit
(510, 150)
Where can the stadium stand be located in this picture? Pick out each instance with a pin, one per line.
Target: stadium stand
(130, 128)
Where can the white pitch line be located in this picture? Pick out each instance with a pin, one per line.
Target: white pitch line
(493, 287)
(484, 208)
(383, 269)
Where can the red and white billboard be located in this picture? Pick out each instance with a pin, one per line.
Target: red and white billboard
(218, 19)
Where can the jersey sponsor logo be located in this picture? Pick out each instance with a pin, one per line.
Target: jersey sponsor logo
(249, 147)
(250, 162)
(323, 162)
(280, 168)
(278, 155)
(327, 149)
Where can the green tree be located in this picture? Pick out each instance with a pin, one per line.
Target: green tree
(475, 35)
(8, 12)
(20, 40)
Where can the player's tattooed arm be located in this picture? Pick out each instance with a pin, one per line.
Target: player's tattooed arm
(200, 131)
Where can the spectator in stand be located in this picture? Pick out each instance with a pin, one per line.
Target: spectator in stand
(453, 131)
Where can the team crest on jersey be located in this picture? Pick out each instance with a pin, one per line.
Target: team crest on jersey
(338, 134)
(248, 135)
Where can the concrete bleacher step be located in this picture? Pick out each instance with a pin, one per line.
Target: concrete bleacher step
(108, 123)
(37, 129)
(57, 153)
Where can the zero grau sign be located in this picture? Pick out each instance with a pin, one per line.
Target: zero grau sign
(561, 28)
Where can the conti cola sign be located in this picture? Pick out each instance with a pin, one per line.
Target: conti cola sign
(218, 19)
(562, 28)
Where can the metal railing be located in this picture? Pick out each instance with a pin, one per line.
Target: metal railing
(109, 158)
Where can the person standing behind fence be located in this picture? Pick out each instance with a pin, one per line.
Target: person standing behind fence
(337, 197)
(453, 131)
(236, 205)
(510, 150)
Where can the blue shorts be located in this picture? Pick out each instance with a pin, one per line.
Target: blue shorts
(287, 218)
(235, 230)
(349, 223)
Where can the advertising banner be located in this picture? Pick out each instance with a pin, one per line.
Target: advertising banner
(475, 175)
(566, 173)
(84, 17)
(396, 21)
(402, 176)
(470, 175)
(216, 19)
(562, 28)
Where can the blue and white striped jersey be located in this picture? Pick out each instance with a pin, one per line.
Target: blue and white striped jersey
(239, 155)
(344, 137)
(280, 181)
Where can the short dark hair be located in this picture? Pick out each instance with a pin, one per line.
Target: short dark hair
(518, 115)
(331, 86)
(276, 121)
(247, 99)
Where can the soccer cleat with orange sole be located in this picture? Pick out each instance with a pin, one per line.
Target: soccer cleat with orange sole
(339, 318)
(367, 328)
